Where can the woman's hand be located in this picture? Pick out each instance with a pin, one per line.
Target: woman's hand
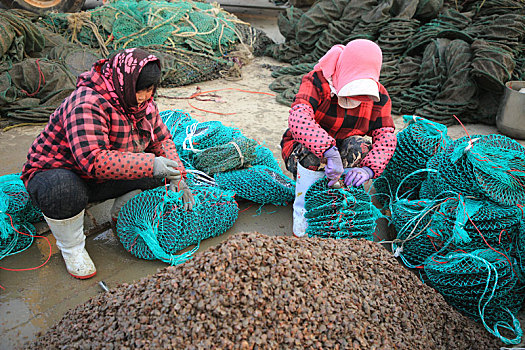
(358, 176)
(334, 165)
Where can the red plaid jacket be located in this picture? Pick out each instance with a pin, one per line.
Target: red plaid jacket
(91, 135)
(317, 121)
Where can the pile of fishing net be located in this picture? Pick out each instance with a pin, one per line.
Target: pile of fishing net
(223, 167)
(416, 144)
(440, 58)
(38, 68)
(463, 228)
(339, 213)
(16, 215)
(196, 41)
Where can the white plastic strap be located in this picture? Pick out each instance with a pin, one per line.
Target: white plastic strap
(238, 151)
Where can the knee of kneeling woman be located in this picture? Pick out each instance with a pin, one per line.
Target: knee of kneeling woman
(58, 193)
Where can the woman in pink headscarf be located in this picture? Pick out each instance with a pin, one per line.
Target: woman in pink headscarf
(339, 103)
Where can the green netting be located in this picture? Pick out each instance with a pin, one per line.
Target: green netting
(484, 166)
(264, 156)
(483, 285)
(260, 184)
(154, 225)
(235, 154)
(339, 213)
(416, 144)
(16, 215)
(415, 239)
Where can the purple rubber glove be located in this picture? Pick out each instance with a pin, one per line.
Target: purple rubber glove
(358, 176)
(334, 165)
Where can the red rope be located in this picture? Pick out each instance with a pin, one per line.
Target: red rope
(41, 81)
(34, 236)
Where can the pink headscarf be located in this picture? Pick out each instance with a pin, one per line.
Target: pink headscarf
(358, 62)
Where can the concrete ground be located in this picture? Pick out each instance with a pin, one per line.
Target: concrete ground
(33, 300)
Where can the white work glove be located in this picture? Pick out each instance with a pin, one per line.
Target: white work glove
(187, 196)
(164, 168)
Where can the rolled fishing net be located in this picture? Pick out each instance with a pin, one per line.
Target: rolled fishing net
(484, 166)
(154, 224)
(339, 213)
(483, 285)
(235, 154)
(416, 144)
(16, 215)
(258, 183)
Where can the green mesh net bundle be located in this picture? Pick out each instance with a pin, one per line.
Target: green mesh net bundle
(16, 215)
(483, 285)
(259, 184)
(416, 144)
(339, 213)
(154, 224)
(482, 166)
(235, 154)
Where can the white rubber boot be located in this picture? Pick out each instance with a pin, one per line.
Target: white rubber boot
(305, 179)
(120, 202)
(69, 234)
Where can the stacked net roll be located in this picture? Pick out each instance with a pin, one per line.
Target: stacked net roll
(339, 213)
(154, 224)
(416, 144)
(195, 41)
(16, 215)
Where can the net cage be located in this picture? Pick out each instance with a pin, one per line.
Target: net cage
(435, 227)
(154, 224)
(416, 144)
(259, 184)
(16, 215)
(339, 213)
(482, 166)
(482, 285)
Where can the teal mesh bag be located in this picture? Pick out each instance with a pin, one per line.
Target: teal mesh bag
(154, 225)
(519, 252)
(16, 215)
(339, 213)
(259, 184)
(416, 144)
(480, 284)
(484, 166)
